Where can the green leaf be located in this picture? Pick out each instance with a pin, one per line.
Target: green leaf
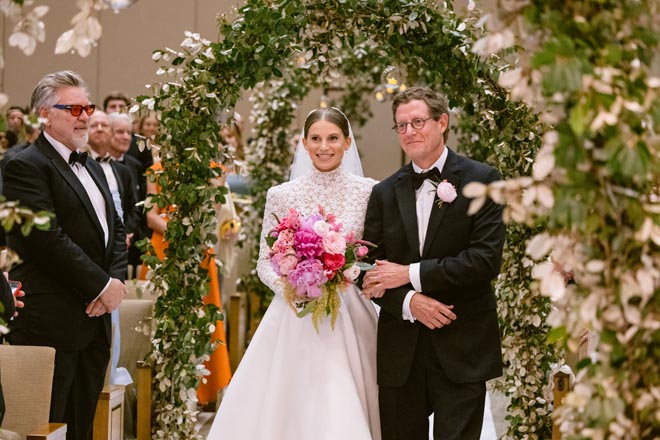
(309, 308)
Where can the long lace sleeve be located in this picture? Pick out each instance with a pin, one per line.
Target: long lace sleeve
(264, 268)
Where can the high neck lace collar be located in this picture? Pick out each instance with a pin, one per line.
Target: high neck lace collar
(330, 175)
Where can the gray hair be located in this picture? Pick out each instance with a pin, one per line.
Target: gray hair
(117, 117)
(45, 93)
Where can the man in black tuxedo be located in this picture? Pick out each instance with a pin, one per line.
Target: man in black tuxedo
(438, 335)
(72, 271)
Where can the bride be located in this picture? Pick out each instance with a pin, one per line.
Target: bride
(295, 383)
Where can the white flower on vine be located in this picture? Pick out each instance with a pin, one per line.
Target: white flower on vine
(85, 32)
(539, 246)
(493, 43)
(607, 117)
(29, 30)
(544, 162)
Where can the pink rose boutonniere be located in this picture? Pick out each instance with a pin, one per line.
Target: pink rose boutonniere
(446, 192)
(316, 259)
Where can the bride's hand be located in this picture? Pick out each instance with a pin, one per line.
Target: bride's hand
(386, 275)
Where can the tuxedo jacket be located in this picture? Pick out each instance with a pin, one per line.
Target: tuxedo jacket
(65, 266)
(462, 255)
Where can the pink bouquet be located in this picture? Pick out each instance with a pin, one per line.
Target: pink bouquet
(316, 259)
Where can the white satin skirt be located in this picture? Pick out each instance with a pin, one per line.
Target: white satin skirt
(296, 384)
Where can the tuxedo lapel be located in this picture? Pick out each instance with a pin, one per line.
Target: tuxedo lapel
(405, 196)
(72, 180)
(449, 173)
(99, 178)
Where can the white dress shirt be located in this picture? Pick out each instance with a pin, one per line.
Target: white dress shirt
(425, 196)
(106, 166)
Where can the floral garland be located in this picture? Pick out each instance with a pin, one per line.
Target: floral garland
(595, 181)
(316, 43)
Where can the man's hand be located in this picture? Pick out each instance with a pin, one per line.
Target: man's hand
(430, 312)
(129, 239)
(385, 275)
(109, 301)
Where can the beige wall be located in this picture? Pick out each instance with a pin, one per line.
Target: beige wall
(122, 61)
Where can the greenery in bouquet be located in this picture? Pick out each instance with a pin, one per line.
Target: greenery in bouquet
(316, 258)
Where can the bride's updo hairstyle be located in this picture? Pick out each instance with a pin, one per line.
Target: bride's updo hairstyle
(331, 115)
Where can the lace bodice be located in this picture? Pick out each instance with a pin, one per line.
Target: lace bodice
(342, 194)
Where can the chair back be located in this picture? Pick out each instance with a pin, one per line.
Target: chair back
(134, 314)
(27, 381)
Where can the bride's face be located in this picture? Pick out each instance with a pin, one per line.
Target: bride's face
(326, 145)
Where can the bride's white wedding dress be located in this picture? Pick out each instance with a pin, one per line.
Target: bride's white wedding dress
(294, 383)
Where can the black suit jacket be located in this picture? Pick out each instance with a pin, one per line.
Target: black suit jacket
(462, 255)
(66, 266)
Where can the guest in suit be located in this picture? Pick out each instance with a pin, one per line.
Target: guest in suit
(72, 271)
(120, 141)
(119, 176)
(438, 335)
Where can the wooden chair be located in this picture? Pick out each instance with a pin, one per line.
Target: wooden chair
(562, 386)
(134, 347)
(27, 381)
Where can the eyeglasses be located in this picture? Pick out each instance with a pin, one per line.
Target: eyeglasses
(417, 124)
(76, 109)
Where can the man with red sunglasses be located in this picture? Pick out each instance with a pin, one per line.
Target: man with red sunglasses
(72, 271)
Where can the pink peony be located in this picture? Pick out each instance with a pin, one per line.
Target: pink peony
(334, 243)
(307, 243)
(307, 278)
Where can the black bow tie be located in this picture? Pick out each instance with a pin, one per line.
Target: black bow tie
(102, 159)
(419, 178)
(81, 158)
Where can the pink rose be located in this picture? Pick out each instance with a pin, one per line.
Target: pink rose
(352, 273)
(287, 263)
(334, 243)
(446, 191)
(361, 251)
(321, 228)
(334, 262)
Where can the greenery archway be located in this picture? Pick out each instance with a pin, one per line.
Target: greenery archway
(315, 44)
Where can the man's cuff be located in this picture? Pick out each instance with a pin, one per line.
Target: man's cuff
(413, 273)
(103, 290)
(406, 313)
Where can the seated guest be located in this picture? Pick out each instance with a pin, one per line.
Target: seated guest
(16, 124)
(116, 102)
